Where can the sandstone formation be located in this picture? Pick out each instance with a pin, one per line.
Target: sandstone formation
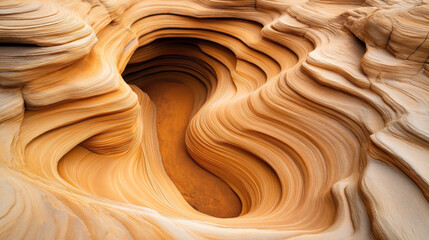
(214, 119)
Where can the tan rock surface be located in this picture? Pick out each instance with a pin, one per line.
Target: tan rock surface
(210, 119)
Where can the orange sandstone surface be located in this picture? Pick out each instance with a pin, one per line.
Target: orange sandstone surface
(214, 119)
(201, 189)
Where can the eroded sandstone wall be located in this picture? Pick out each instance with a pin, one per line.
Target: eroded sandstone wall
(309, 117)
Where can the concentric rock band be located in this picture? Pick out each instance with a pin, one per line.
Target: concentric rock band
(214, 119)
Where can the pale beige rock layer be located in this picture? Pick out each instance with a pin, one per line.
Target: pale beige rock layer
(312, 117)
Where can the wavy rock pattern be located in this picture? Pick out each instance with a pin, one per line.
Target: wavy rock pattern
(305, 119)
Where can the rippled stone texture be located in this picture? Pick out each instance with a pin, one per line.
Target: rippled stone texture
(205, 119)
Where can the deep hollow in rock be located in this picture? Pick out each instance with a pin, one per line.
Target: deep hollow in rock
(172, 81)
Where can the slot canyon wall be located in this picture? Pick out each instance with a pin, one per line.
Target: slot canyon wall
(214, 119)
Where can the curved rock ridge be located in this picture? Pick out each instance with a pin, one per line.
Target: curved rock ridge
(213, 119)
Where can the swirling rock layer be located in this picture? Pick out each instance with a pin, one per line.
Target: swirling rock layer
(203, 119)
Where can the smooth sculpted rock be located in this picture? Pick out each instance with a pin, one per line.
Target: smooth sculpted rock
(213, 119)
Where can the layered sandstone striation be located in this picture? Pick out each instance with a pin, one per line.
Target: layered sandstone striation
(213, 119)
